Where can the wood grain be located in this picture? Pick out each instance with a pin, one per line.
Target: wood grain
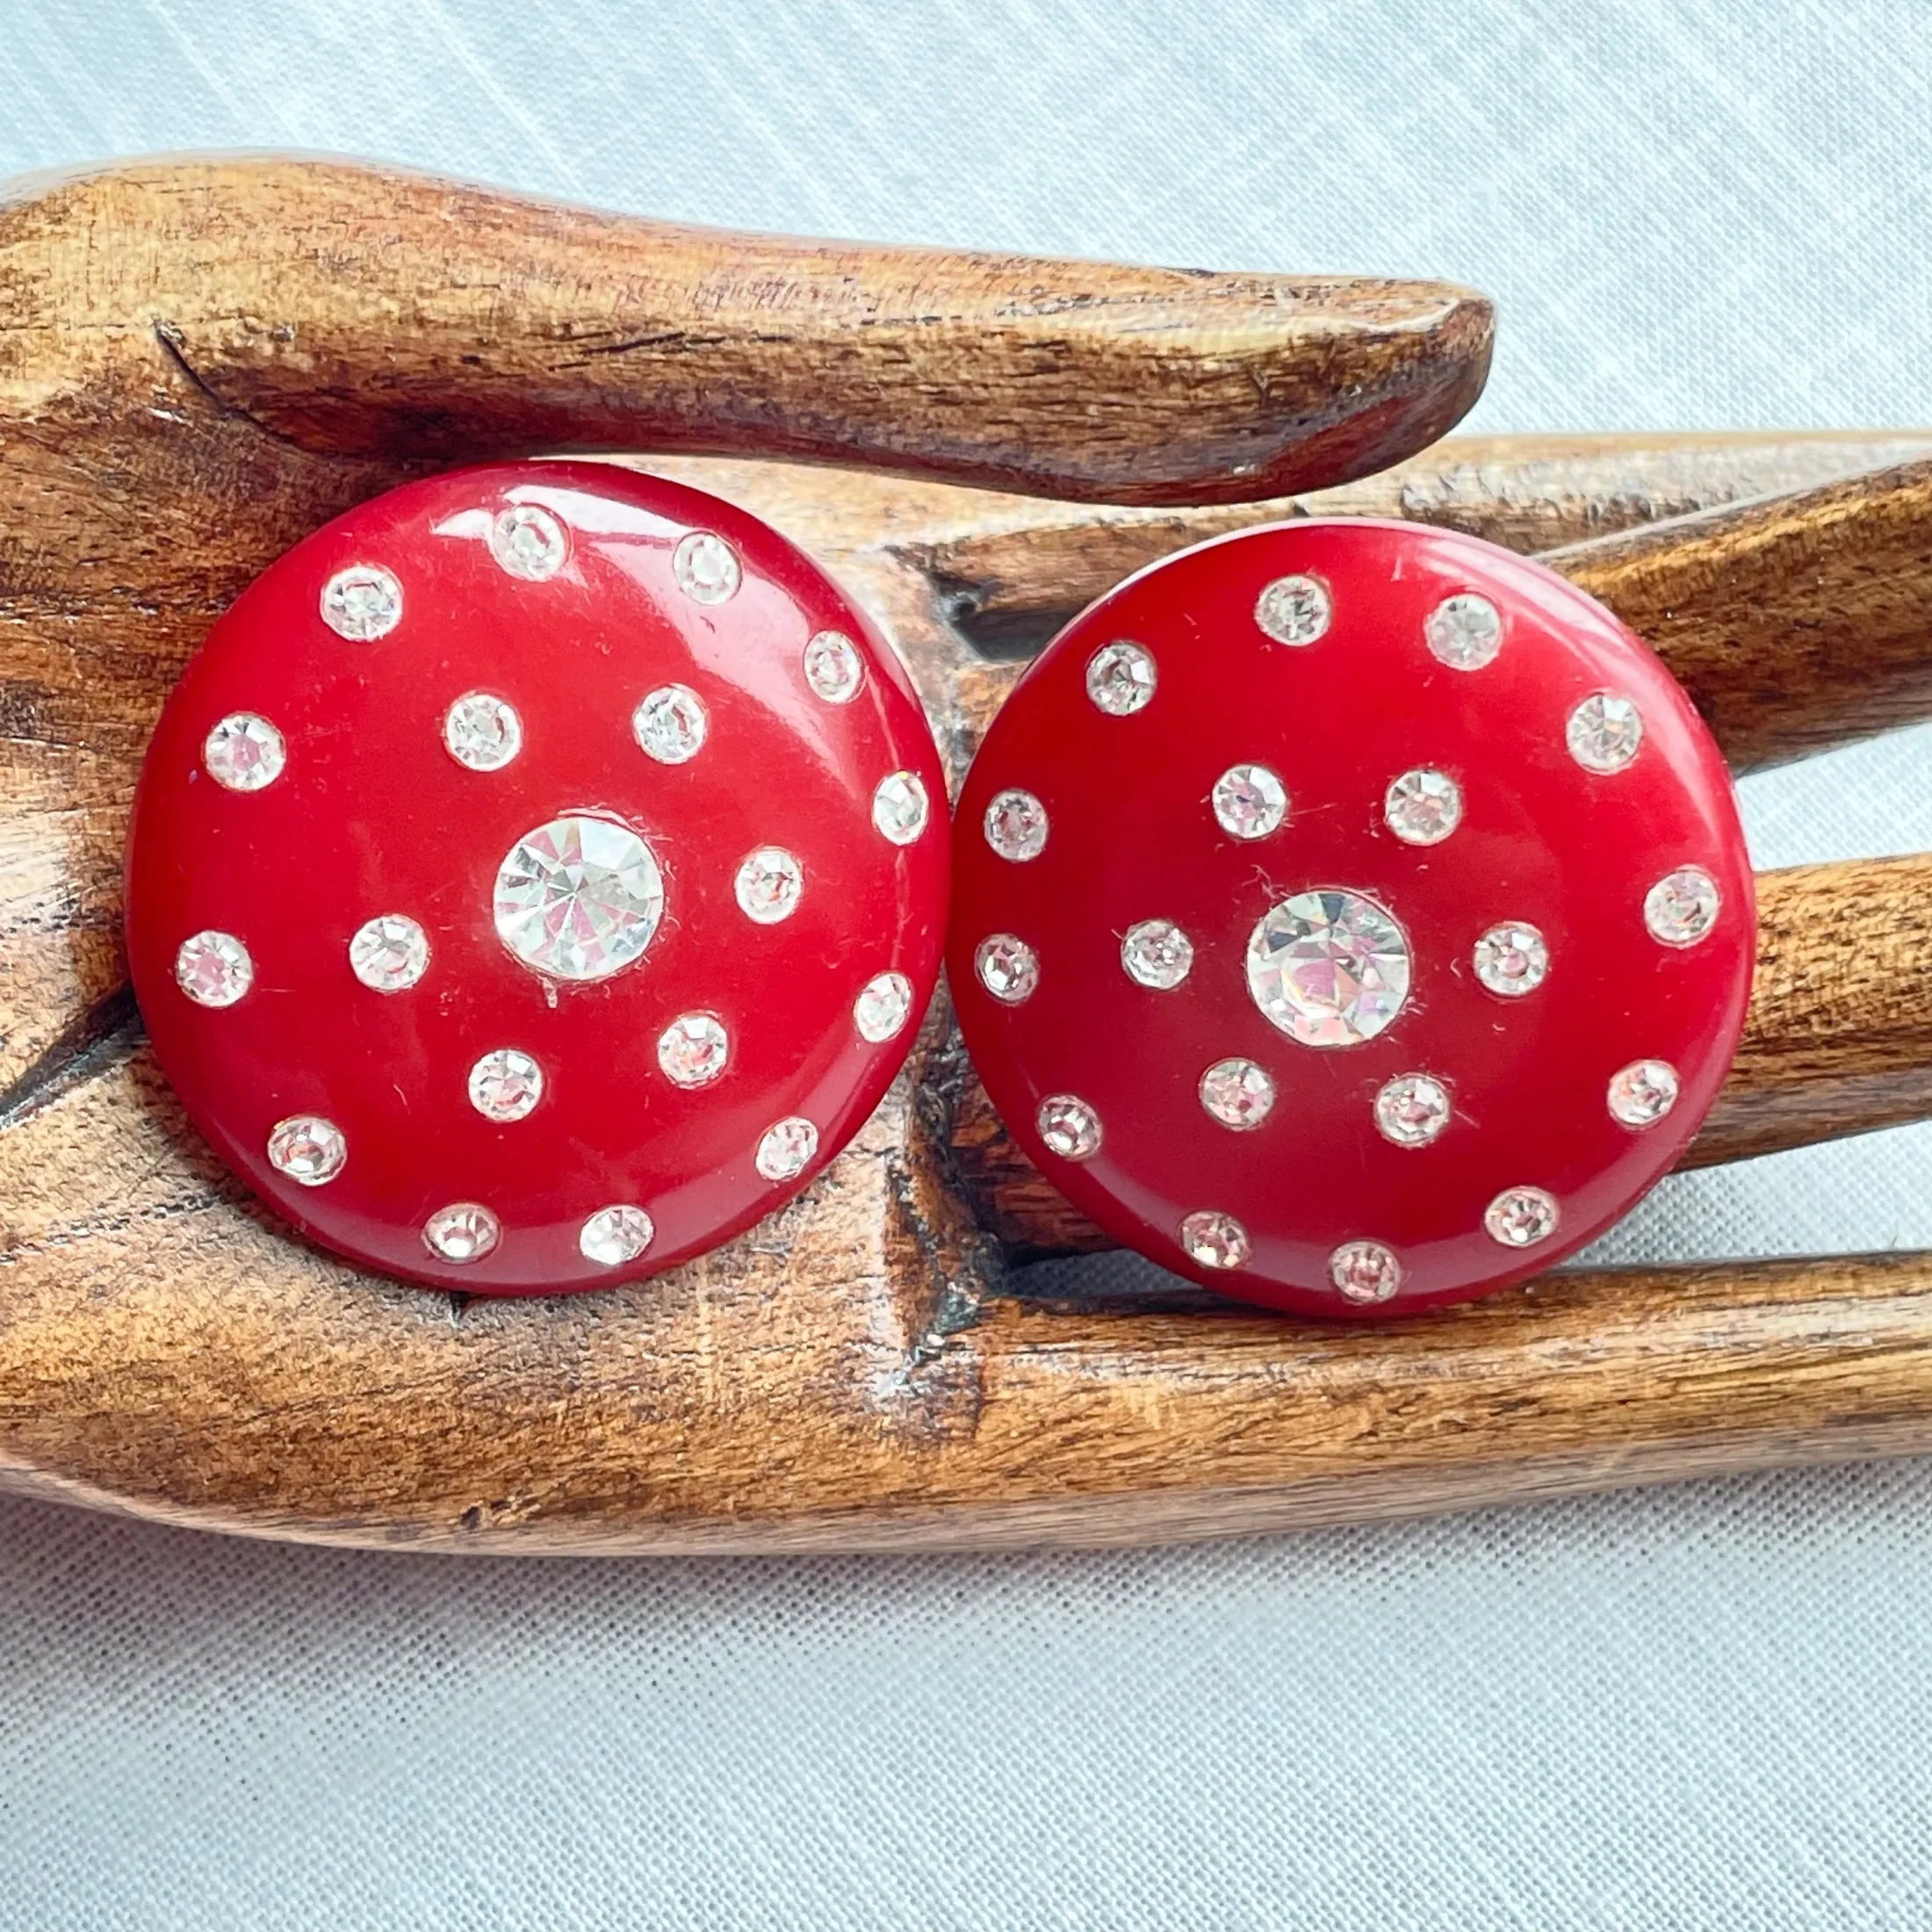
(199, 362)
(377, 314)
(1840, 576)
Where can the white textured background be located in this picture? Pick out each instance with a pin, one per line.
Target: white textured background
(1705, 1707)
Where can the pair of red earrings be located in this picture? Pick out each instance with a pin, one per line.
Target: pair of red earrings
(542, 871)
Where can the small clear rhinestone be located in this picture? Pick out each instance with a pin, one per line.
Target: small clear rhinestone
(362, 603)
(1412, 1109)
(529, 541)
(1682, 907)
(389, 954)
(693, 1049)
(1250, 801)
(1237, 1093)
(899, 807)
(1464, 632)
(463, 1231)
(1016, 826)
(1422, 807)
(833, 668)
(1158, 954)
(1365, 1270)
(1329, 968)
(787, 1148)
(213, 968)
(1643, 1092)
(506, 1084)
(1120, 678)
(883, 1007)
(614, 1236)
(670, 724)
(1520, 1217)
(1604, 732)
(482, 733)
(769, 884)
(1069, 1126)
(706, 567)
(244, 753)
(1293, 610)
(1008, 967)
(1214, 1240)
(578, 898)
(308, 1149)
(1511, 960)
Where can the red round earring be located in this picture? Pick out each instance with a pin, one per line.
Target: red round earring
(536, 877)
(1353, 916)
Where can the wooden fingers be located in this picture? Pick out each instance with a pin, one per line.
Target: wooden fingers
(1796, 622)
(370, 312)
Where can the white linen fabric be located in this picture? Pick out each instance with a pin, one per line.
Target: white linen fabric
(1705, 1705)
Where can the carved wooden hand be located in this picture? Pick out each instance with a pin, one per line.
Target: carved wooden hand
(200, 362)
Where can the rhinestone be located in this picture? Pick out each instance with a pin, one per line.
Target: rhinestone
(463, 1231)
(1465, 632)
(1604, 732)
(362, 603)
(1016, 826)
(693, 1049)
(899, 808)
(769, 885)
(1520, 1217)
(1329, 969)
(505, 1084)
(706, 567)
(529, 543)
(1412, 1109)
(1069, 1126)
(308, 1149)
(1007, 968)
(1365, 1270)
(833, 668)
(1158, 954)
(1250, 801)
(1214, 1240)
(1237, 1093)
(389, 954)
(1643, 1092)
(213, 968)
(670, 724)
(1293, 610)
(614, 1236)
(482, 733)
(1681, 908)
(578, 898)
(1422, 807)
(1120, 678)
(786, 1149)
(1511, 960)
(244, 753)
(883, 1007)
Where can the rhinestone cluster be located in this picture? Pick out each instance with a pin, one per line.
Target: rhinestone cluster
(1331, 967)
(577, 898)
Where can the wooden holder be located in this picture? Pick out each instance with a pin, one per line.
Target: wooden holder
(199, 362)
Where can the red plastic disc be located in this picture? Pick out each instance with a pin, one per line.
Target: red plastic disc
(536, 877)
(1350, 915)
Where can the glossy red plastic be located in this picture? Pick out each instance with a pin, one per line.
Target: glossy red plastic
(1575, 851)
(371, 815)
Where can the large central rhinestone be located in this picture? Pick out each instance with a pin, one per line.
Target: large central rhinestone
(578, 898)
(1330, 969)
